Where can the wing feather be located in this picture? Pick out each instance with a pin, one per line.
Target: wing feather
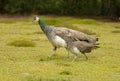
(75, 35)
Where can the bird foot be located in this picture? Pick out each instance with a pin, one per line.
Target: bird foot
(74, 58)
(51, 55)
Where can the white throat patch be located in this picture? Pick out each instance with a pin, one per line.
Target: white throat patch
(37, 18)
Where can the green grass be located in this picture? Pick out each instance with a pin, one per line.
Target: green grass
(65, 73)
(116, 31)
(22, 42)
(32, 63)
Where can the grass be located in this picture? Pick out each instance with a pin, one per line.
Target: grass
(65, 73)
(116, 31)
(32, 63)
(22, 42)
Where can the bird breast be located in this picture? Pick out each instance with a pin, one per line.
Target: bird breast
(59, 42)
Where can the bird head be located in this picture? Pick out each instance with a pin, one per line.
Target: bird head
(68, 34)
(35, 19)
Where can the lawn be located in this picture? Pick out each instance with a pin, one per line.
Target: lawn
(25, 50)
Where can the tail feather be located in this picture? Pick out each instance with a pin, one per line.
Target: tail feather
(97, 43)
(95, 47)
(97, 39)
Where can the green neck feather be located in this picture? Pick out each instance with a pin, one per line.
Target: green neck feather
(46, 29)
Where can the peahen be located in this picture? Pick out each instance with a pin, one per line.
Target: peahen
(57, 35)
(79, 47)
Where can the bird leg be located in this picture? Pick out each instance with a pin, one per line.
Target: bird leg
(74, 58)
(68, 52)
(53, 52)
(85, 56)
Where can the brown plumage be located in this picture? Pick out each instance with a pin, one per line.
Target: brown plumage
(75, 35)
(79, 46)
(84, 47)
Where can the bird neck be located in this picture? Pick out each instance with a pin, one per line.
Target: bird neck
(69, 42)
(46, 29)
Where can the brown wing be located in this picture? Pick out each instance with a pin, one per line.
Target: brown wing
(84, 47)
(75, 35)
(60, 32)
